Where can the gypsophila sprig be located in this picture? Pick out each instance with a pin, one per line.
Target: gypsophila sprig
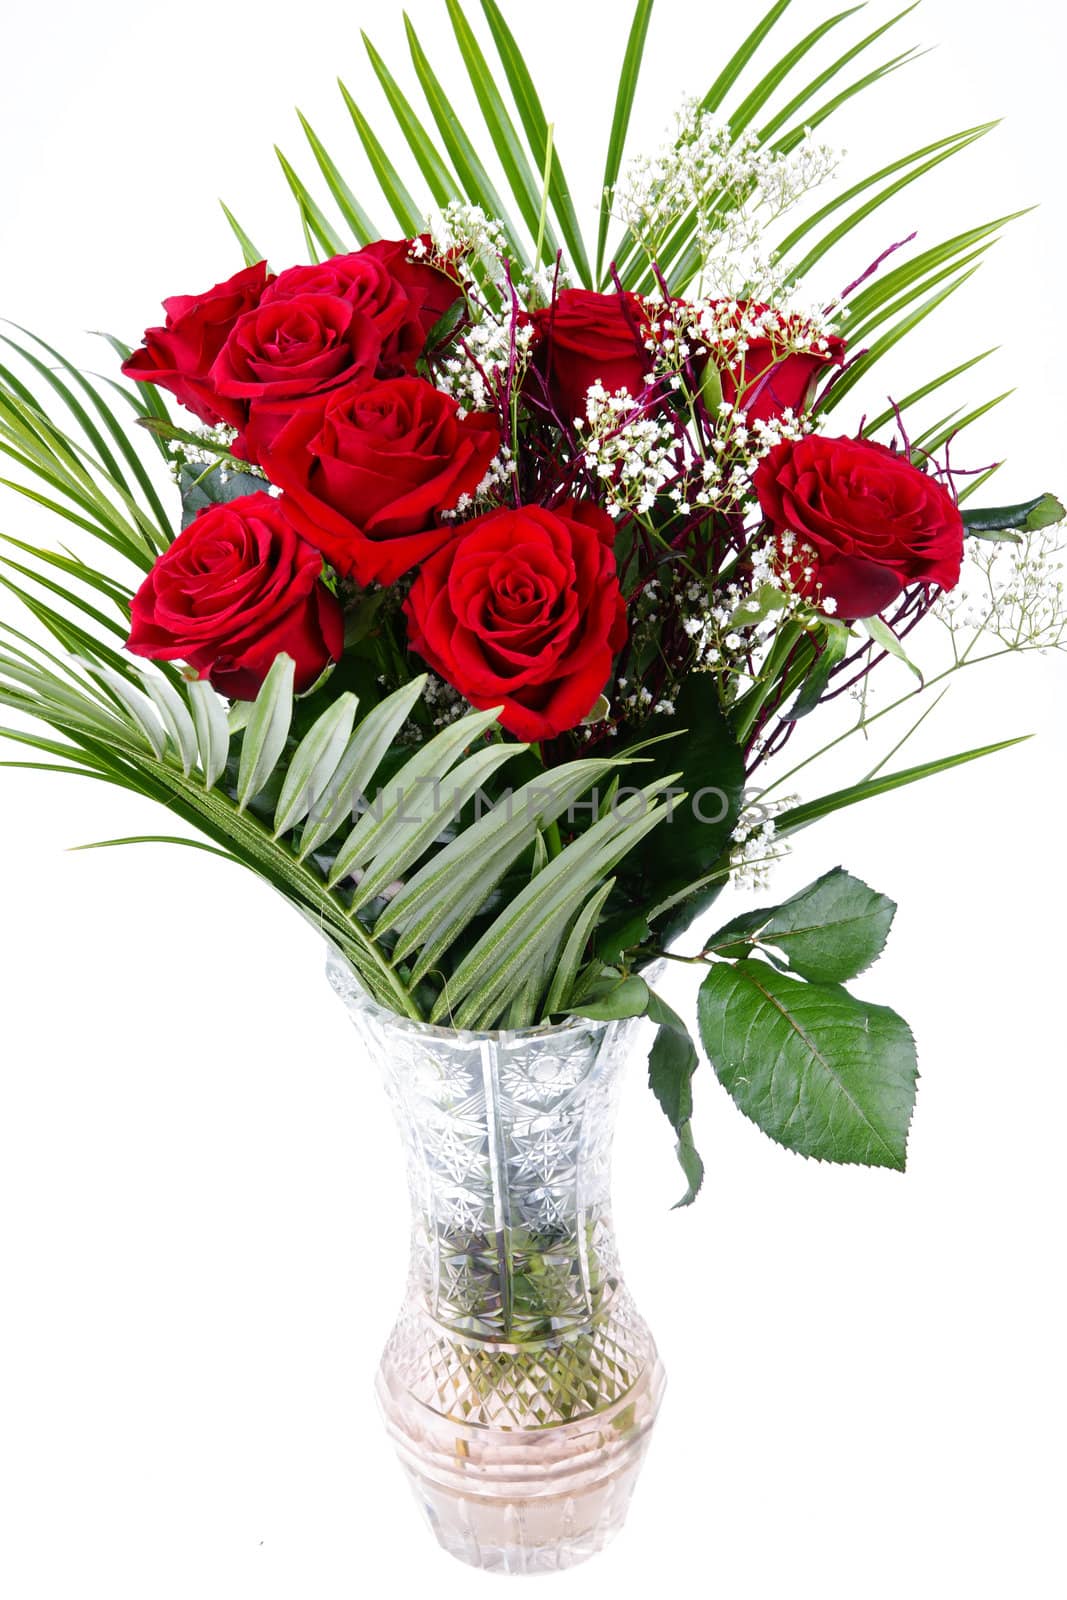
(735, 189)
(1015, 594)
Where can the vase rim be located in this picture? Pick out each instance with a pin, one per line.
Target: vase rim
(345, 982)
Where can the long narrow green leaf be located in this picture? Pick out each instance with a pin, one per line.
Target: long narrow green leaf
(267, 730)
(399, 200)
(117, 593)
(552, 898)
(60, 510)
(757, 98)
(310, 212)
(910, 167)
(114, 428)
(357, 767)
(443, 895)
(251, 254)
(883, 345)
(73, 405)
(827, 75)
(144, 399)
(681, 255)
(140, 708)
(408, 837)
(980, 482)
(51, 454)
(861, 332)
(212, 730)
(620, 122)
(909, 400)
(823, 113)
(525, 185)
(932, 441)
(175, 717)
(64, 593)
(154, 838)
(70, 634)
(429, 765)
(361, 225)
(549, 921)
(741, 57)
(314, 763)
(810, 811)
(887, 284)
(535, 125)
(472, 175)
(443, 185)
(570, 961)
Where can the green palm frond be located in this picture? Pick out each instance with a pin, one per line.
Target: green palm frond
(374, 885)
(90, 471)
(534, 203)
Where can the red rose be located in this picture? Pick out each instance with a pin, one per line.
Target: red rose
(365, 282)
(586, 337)
(234, 590)
(368, 470)
(180, 355)
(430, 291)
(283, 351)
(875, 522)
(773, 374)
(523, 610)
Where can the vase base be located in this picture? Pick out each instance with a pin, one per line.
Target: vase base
(525, 1500)
(526, 1536)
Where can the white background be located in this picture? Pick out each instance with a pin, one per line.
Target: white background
(203, 1221)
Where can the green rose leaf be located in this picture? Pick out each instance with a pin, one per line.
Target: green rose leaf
(614, 1000)
(821, 1072)
(214, 486)
(1031, 517)
(829, 932)
(886, 639)
(671, 1063)
(620, 935)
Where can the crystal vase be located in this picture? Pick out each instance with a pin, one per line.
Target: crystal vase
(520, 1383)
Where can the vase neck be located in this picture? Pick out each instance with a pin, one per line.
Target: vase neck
(508, 1141)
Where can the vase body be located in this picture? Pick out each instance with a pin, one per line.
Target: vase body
(520, 1383)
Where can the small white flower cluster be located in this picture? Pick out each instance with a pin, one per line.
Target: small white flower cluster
(488, 493)
(717, 336)
(465, 231)
(737, 448)
(480, 361)
(636, 700)
(187, 454)
(729, 327)
(634, 455)
(735, 624)
(208, 463)
(756, 845)
(445, 703)
(1014, 593)
(735, 189)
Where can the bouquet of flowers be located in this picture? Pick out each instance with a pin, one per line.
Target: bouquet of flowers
(503, 567)
(466, 582)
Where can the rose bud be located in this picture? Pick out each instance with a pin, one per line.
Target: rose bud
(586, 338)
